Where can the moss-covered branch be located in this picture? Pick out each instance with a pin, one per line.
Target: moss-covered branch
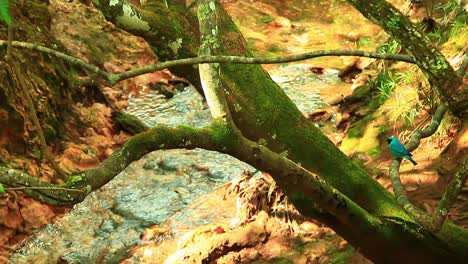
(58, 54)
(435, 222)
(114, 78)
(449, 197)
(46, 193)
(301, 185)
(133, 149)
(124, 15)
(210, 73)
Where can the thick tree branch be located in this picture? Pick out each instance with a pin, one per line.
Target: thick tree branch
(210, 73)
(133, 149)
(304, 189)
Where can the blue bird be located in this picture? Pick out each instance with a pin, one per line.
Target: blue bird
(398, 150)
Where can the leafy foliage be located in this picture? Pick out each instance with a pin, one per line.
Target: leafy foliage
(391, 46)
(5, 11)
(385, 83)
(2, 190)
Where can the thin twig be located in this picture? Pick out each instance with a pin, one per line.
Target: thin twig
(58, 54)
(43, 188)
(114, 78)
(250, 60)
(10, 41)
(29, 105)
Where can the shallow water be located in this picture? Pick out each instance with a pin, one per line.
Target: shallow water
(105, 226)
(109, 222)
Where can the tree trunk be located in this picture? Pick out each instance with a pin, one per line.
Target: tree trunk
(433, 64)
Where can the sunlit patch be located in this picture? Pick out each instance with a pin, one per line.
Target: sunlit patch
(148, 252)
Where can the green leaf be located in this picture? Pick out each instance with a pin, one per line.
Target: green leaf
(5, 11)
(2, 190)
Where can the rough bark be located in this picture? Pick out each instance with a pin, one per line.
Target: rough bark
(433, 64)
(166, 29)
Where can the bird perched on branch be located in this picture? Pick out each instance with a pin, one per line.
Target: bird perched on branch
(398, 150)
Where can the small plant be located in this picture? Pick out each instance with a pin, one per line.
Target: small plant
(458, 33)
(385, 84)
(391, 46)
(365, 42)
(400, 109)
(448, 7)
(394, 22)
(91, 116)
(5, 11)
(266, 19)
(436, 36)
(405, 77)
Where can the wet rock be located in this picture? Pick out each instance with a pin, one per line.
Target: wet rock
(317, 70)
(164, 89)
(150, 165)
(174, 163)
(320, 116)
(186, 107)
(350, 71)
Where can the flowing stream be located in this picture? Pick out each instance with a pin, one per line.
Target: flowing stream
(158, 186)
(163, 184)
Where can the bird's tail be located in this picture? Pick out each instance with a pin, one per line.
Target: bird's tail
(412, 160)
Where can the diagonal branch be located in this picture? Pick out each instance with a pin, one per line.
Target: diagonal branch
(87, 181)
(58, 54)
(435, 222)
(301, 186)
(449, 197)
